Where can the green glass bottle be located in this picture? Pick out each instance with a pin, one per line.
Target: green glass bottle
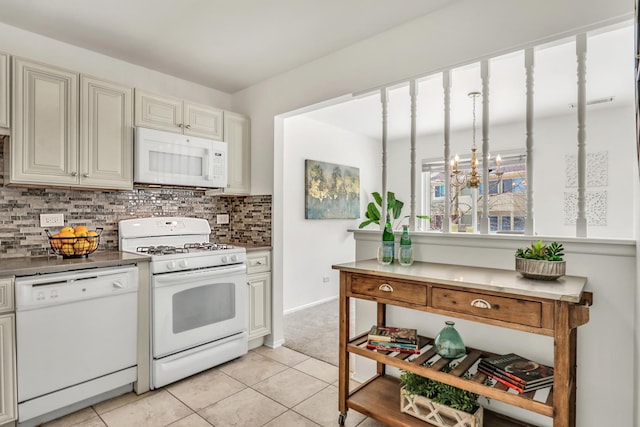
(448, 342)
(405, 253)
(388, 241)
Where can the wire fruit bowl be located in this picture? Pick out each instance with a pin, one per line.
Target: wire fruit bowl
(74, 247)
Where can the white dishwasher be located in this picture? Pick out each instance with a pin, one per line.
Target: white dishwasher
(76, 336)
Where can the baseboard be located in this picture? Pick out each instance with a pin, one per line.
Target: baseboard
(312, 304)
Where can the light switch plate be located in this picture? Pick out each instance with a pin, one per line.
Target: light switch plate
(222, 219)
(51, 220)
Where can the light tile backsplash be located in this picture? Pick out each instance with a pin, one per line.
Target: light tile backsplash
(20, 209)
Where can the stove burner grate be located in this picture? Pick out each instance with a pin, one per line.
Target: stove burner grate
(206, 246)
(161, 250)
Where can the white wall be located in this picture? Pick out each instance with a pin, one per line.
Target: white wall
(52, 52)
(608, 130)
(312, 246)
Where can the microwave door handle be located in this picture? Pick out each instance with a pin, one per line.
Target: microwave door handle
(207, 172)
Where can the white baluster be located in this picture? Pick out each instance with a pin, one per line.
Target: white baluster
(413, 89)
(446, 85)
(581, 54)
(484, 74)
(529, 227)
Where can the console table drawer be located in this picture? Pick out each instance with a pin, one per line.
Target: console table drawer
(413, 293)
(512, 310)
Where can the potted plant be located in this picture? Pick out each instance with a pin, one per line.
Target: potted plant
(394, 208)
(541, 261)
(437, 403)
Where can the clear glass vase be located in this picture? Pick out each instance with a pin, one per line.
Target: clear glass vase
(449, 343)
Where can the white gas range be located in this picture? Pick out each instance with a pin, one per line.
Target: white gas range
(198, 295)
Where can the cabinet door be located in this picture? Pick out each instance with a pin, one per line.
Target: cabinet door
(4, 90)
(259, 304)
(202, 121)
(106, 134)
(8, 400)
(237, 136)
(158, 112)
(44, 125)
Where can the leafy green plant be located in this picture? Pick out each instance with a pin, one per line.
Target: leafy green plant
(539, 250)
(438, 392)
(394, 208)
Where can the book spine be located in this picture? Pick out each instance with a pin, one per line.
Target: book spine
(505, 375)
(513, 377)
(501, 381)
(390, 348)
(394, 344)
(387, 338)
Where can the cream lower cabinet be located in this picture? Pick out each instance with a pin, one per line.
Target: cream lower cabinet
(259, 282)
(175, 115)
(8, 396)
(237, 136)
(51, 147)
(4, 91)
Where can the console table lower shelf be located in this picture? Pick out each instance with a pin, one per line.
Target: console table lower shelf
(380, 399)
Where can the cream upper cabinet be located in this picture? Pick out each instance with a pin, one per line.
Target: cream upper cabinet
(237, 129)
(175, 115)
(4, 90)
(259, 282)
(106, 134)
(51, 147)
(44, 143)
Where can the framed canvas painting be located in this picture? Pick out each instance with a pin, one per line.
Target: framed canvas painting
(331, 191)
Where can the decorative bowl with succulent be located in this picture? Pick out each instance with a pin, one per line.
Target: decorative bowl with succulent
(541, 261)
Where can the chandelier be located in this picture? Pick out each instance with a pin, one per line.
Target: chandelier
(472, 179)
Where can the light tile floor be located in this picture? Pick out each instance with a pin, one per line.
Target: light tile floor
(267, 387)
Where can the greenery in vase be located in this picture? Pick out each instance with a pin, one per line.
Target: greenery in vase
(541, 251)
(438, 392)
(394, 208)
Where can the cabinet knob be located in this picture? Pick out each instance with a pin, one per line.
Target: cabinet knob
(480, 303)
(188, 126)
(74, 173)
(385, 287)
(258, 262)
(179, 125)
(86, 175)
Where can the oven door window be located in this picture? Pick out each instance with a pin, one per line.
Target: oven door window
(202, 306)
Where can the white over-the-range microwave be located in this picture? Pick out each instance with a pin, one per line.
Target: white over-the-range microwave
(167, 158)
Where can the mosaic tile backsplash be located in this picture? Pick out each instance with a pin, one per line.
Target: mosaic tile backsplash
(20, 209)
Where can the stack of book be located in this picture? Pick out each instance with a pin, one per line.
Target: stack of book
(389, 338)
(516, 372)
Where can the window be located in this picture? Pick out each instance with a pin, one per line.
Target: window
(507, 198)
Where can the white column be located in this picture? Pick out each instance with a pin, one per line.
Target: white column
(581, 53)
(413, 89)
(446, 85)
(484, 73)
(529, 227)
(383, 209)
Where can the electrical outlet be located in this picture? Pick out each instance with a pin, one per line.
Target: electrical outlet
(325, 279)
(51, 220)
(222, 219)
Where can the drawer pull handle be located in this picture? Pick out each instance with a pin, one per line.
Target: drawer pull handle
(480, 303)
(385, 287)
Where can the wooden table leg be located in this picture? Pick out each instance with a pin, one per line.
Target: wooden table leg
(382, 321)
(343, 356)
(564, 368)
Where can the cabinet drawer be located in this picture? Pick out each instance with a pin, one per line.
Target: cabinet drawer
(6, 294)
(396, 290)
(258, 262)
(511, 310)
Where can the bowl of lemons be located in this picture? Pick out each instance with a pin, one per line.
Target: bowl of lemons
(74, 242)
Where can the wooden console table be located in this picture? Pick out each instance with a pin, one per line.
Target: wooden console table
(490, 296)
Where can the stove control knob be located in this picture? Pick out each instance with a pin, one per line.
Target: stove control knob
(234, 258)
(183, 263)
(223, 259)
(171, 265)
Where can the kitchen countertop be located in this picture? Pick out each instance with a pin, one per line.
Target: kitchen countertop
(566, 288)
(26, 266)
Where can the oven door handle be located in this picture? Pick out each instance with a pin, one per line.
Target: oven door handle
(178, 278)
